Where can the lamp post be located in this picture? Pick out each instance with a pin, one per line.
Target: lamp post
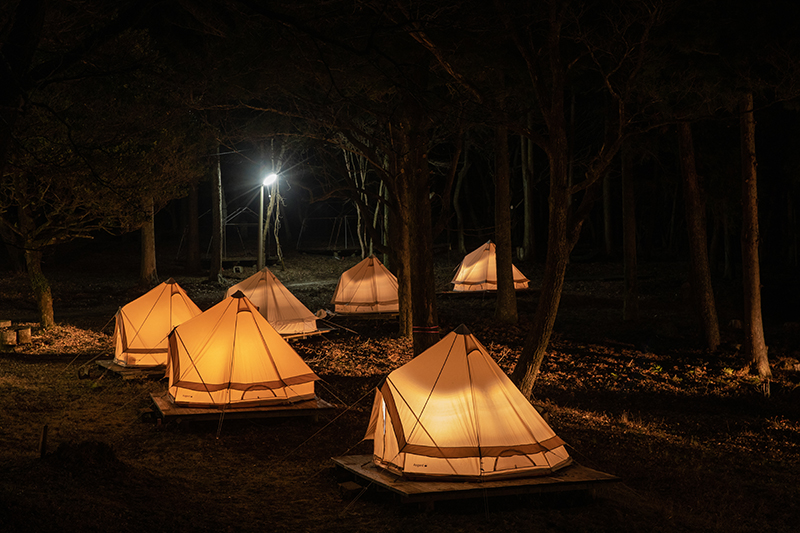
(269, 180)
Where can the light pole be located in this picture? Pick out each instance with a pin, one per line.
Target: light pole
(269, 180)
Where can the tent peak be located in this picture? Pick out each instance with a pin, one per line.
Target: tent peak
(170, 281)
(462, 330)
(237, 294)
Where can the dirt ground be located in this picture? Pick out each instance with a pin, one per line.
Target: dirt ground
(696, 444)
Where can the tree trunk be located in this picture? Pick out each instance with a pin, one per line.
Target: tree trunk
(385, 225)
(215, 270)
(398, 235)
(416, 280)
(630, 306)
(754, 345)
(276, 193)
(148, 276)
(528, 240)
(457, 200)
(556, 260)
(359, 186)
(33, 262)
(608, 238)
(193, 258)
(727, 268)
(506, 305)
(380, 229)
(41, 287)
(423, 282)
(401, 261)
(700, 274)
(425, 314)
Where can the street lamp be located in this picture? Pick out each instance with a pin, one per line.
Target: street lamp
(268, 180)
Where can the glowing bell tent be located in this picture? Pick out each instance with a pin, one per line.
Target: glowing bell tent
(230, 356)
(367, 288)
(478, 271)
(276, 303)
(142, 326)
(452, 413)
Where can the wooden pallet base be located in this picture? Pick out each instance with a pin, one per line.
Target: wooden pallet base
(570, 478)
(305, 334)
(130, 372)
(367, 316)
(168, 411)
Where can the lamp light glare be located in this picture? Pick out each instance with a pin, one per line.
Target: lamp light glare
(270, 179)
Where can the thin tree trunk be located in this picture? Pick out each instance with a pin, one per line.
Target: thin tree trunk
(358, 185)
(608, 238)
(424, 313)
(457, 200)
(41, 287)
(556, 260)
(754, 345)
(273, 211)
(700, 274)
(630, 307)
(714, 242)
(193, 259)
(506, 304)
(33, 262)
(385, 225)
(276, 192)
(375, 218)
(148, 275)
(727, 270)
(400, 255)
(215, 270)
(528, 235)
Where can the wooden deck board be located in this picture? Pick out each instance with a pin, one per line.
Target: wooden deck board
(168, 411)
(570, 478)
(128, 372)
(368, 316)
(320, 331)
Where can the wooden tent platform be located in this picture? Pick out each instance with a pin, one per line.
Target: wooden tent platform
(168, 411)
(570, 478)
(368, 316)
(129, 372)
(487, 292)
(305, 334)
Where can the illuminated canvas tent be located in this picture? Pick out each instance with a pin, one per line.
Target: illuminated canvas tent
(142, 326)
(451, 412)
(368, 287)
(478, 271)
(231, 356)
(280, 307)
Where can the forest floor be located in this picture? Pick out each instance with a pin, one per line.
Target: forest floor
(696, 444)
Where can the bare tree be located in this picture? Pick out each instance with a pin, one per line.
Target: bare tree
(506, 306)
(700, 273)
(754, 347)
